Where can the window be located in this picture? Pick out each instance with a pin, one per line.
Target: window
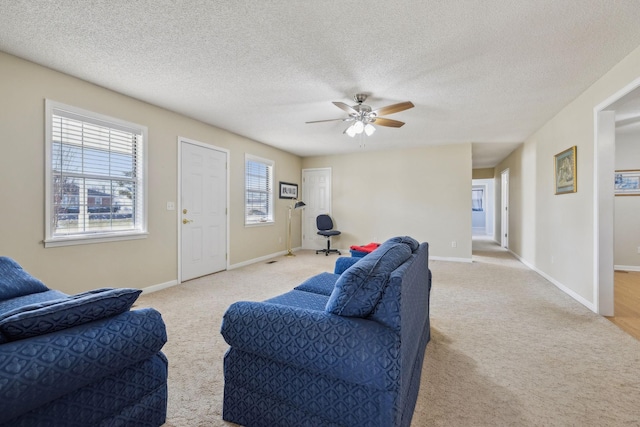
(95, 177)
(477, 199)
(258, 175)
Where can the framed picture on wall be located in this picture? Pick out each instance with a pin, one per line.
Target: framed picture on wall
(288, 190)
(627, 183)
(565, 167)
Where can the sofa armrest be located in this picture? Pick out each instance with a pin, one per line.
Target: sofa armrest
(355, 350)
(37, 370)
(342, 263)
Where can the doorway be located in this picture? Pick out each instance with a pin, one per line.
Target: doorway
(623, 106)
(202, 226)
(504, 209)
(316, 193)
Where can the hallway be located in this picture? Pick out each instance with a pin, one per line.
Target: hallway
(627, 302)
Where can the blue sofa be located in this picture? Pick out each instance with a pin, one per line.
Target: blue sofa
(341, 349)
(78, 360)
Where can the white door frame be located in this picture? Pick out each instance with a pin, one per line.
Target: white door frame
(304, 211)
(504, 208)
(603, 200)
(182, 140)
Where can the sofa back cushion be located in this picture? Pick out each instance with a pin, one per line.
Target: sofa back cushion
(15, 282)
(412, 280)
(360, 287)
(54, 315)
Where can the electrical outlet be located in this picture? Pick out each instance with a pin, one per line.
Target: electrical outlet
(639, 249)
(454, 244)
(171, 206)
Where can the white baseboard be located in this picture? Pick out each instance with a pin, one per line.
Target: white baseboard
(260, 259)
(626, 267)
(559, 285)
(161, 286)
(452, 259)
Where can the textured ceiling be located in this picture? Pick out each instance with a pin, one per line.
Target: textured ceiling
(489, 72)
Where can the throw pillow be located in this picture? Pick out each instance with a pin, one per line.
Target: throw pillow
(413, 243)
(50, 316)
(360, 287)
(15, 282)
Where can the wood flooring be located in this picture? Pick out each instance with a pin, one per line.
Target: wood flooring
(627, 302)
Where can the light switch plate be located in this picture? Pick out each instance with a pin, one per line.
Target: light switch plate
(171, 206)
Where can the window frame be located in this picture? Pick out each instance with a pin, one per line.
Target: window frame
(141, 207)
(270, 217)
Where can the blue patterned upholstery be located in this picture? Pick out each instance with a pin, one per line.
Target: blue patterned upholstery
(359, 288)
(15, 282)
(293, 363)
(81, 360)
(322, 284)
(54, 315)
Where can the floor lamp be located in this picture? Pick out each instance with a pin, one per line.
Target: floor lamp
(297, 205)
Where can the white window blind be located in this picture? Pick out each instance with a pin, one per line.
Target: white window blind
(258, 190)
(95, 175)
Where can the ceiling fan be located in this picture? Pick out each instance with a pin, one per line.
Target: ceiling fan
(363, 117)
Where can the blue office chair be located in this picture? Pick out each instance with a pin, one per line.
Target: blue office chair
(325, 228)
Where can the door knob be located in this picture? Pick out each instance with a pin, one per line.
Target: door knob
(184, 211)
(186, 221)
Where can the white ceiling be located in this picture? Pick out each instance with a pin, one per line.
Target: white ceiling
(489, 72)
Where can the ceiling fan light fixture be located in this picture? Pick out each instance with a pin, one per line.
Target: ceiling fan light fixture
(350, 131)
(358, 127)
(369, 129)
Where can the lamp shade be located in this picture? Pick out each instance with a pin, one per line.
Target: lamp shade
(299, 204)
(369, 129)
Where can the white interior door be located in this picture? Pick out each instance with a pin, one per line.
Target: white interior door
(504, 223)
(316, 193)
(203, 209)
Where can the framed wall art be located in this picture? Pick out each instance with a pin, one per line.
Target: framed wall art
(627, 183)
(565, 167)
(288, 190)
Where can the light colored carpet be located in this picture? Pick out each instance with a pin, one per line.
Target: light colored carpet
(508, 348)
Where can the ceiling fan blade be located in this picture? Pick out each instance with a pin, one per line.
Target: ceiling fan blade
(381, 121)
(345, 107)
(330, 120)
(395, 108)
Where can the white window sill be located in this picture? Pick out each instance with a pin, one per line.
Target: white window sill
(258, 224)
(98, 238)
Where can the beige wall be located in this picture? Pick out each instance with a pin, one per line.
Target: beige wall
(627, 208)
(562, 243)
(485, 173)
(137, 263)
(424, 193)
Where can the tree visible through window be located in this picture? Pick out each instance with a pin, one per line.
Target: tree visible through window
(95, 175)
(258, 190)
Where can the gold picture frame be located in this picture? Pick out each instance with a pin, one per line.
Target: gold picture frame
(566, 171)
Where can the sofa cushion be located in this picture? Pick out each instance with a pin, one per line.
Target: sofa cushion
(15, 282)
(301, 299)
(359, 288)
(50, 316)
(410, 241)
(322, 284)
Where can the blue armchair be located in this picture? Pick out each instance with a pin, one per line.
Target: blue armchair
(79, 360)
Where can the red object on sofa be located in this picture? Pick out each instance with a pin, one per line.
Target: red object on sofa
(368, 248)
